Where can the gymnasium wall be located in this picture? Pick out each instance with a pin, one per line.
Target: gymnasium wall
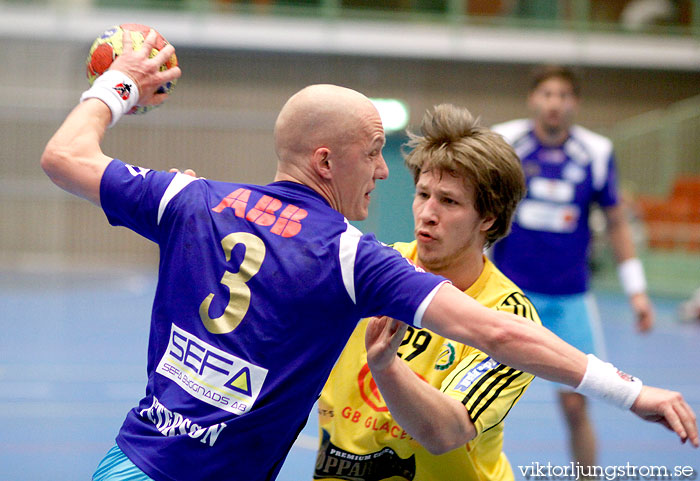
(219, 122)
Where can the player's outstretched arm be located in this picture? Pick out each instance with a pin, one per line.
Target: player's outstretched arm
(73, 158)
(510, 339)
(438, 422)
(529, 347)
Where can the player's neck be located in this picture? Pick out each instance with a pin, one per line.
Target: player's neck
(462, 271)
(551, 137)
(292, 173)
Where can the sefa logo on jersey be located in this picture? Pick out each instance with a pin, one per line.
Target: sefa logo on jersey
(210, 374)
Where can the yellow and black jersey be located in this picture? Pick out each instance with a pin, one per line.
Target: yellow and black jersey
(359, 440)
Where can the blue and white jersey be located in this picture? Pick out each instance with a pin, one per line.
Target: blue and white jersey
(259, 288)
(547, 248)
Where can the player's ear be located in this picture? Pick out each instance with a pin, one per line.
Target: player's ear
(487, 222)
(321, 163)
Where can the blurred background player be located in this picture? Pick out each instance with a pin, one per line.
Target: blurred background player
(447, 424)
(568, 169)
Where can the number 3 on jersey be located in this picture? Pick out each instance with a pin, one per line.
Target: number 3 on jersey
(239, 292)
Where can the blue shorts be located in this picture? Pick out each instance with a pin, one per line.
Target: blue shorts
(574, 318)
(115, 466)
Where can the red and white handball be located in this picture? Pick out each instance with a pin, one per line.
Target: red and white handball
(109, 46)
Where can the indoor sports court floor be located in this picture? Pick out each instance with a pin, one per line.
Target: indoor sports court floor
(73, 354)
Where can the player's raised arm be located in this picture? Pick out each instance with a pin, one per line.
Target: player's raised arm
(73, 158)
(448, 426)
(529, 347)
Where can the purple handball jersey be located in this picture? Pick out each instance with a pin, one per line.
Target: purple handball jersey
(259, 288)
(547, 248)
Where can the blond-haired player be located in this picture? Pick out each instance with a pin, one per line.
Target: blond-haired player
(446, 422)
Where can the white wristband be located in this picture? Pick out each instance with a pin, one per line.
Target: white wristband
(604, 381)
(116, 90)
(631, 275)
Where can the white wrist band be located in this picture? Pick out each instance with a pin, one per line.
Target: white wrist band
(116, 90)
(631, 275)
(604, 381)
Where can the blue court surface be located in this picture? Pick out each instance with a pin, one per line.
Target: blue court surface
(73, 357)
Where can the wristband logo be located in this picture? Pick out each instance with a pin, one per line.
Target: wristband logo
(124, 90)
(625, 377)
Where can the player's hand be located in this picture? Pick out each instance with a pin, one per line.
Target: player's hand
(144, 71)
(189, 172)
(644, 311)
(669, 409)
(382, 340)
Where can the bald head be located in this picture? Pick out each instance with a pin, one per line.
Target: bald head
(318, 115)
(330, 138)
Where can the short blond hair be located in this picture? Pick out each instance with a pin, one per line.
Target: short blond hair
(453, 141)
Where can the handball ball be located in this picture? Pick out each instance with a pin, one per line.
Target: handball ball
(108, 46)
